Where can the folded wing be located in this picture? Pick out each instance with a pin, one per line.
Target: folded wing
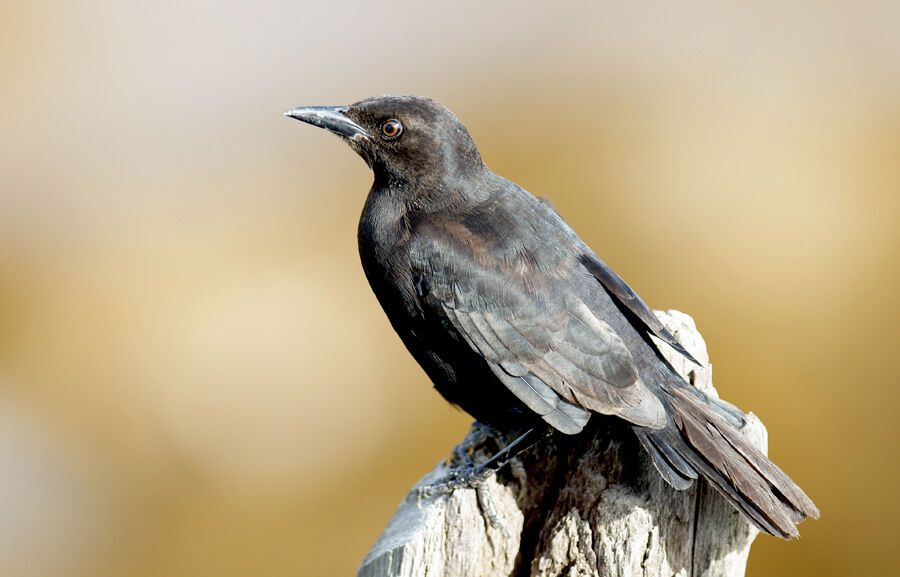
(536, 335)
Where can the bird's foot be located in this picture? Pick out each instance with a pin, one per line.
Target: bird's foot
(478, 436)
(469, 477)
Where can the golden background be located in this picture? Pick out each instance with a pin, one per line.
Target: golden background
(194, 376)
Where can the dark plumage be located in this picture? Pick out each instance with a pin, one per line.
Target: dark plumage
(517, 321)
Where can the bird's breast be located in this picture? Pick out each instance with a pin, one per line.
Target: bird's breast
(383, 237)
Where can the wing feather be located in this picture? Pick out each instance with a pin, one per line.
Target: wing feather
(623, 293)
(535, 333)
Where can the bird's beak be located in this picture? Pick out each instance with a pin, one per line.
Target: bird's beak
(330, 118)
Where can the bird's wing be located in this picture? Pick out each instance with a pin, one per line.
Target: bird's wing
(537, 336)
(623, 294)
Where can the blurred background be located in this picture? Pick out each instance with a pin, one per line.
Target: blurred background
(194, 376)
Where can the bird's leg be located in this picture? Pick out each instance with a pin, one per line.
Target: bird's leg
(469, 476)
(504, 456)
(461, 455)
(475, 476)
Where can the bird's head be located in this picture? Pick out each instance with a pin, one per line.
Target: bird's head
(406, 140)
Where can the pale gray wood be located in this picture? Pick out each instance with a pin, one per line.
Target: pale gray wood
(573, 507)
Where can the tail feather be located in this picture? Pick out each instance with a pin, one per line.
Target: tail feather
(700, 440)
(674, 469)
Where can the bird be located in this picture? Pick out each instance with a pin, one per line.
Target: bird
(518, 322)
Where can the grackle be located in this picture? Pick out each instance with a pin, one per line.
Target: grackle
(518, 322)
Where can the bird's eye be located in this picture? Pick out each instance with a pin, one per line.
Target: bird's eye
(391, 128)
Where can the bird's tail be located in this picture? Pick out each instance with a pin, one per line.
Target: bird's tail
(702, 438)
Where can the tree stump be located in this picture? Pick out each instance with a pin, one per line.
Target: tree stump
(589, 505)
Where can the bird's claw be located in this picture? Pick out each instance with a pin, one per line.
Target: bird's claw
(462, 478)
(475, 477)
(468, 478)
(486, 504)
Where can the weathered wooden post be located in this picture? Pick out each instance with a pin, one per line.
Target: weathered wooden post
(592, 505)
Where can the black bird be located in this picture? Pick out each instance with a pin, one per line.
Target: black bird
(517, 321)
